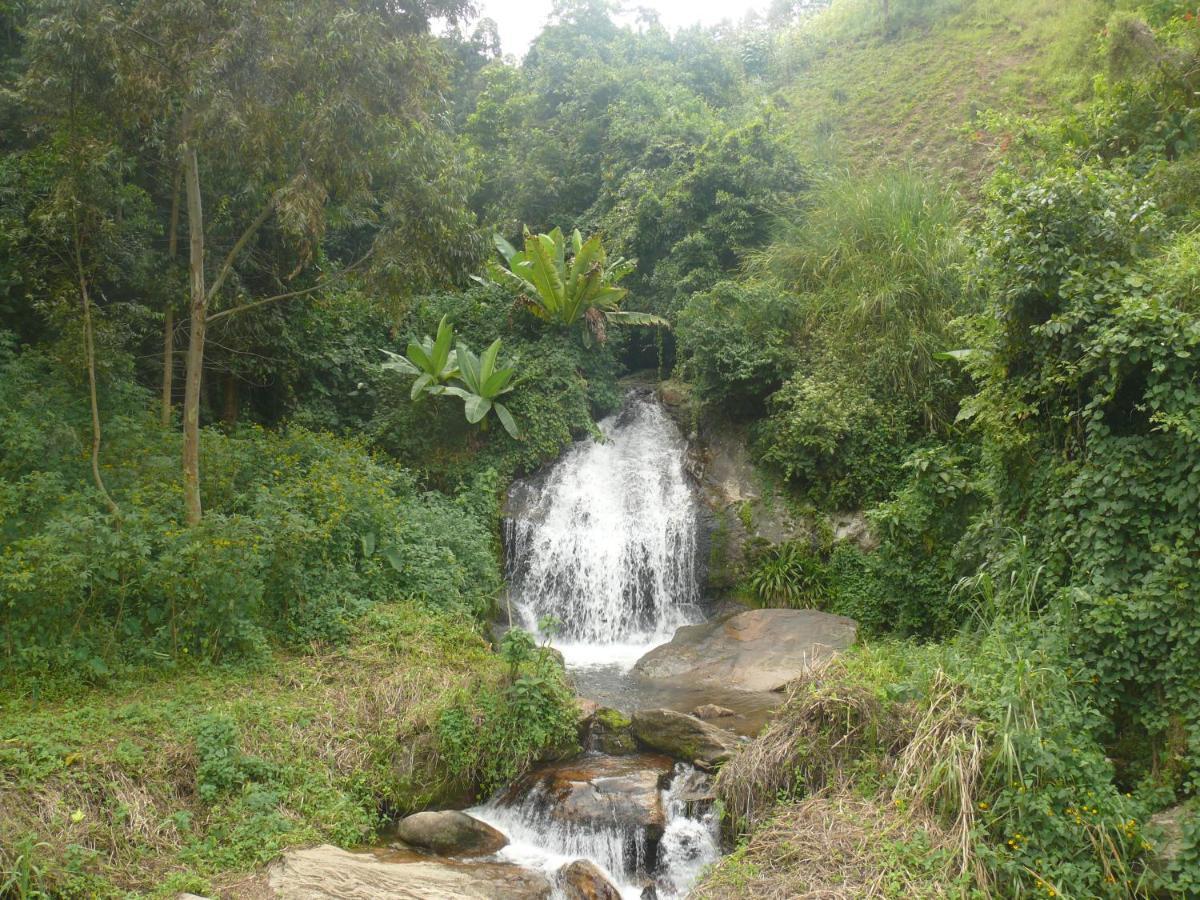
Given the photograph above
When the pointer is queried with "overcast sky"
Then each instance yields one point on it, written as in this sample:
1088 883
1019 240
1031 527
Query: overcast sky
521 20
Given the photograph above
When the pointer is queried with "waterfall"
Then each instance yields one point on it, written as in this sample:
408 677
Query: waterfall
606 541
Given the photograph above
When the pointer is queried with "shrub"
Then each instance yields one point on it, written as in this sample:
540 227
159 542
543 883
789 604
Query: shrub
735 344
832 439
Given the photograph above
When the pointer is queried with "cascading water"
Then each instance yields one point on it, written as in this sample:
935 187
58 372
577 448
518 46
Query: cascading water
606 544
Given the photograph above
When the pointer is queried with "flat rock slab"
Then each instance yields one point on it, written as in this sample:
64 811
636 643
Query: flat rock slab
758 650
329 873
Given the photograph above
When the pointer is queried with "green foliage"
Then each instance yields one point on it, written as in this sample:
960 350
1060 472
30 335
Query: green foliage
305 532
833 439
874 263
480 380
432 361
581 290
789 575
735 344
483 383
497 734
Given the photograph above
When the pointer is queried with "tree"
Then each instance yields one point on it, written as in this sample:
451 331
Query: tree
286 118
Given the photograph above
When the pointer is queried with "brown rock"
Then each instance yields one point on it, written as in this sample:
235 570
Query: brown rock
757 650
712 711
583 880
684 737
450 833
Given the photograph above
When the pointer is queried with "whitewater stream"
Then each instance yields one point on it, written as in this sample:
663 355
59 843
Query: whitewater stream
606 542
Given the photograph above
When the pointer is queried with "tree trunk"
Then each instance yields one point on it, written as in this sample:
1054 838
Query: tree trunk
89 351
168 374
195 350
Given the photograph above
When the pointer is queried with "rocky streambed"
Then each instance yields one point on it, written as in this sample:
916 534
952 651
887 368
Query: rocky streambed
611 542
631 817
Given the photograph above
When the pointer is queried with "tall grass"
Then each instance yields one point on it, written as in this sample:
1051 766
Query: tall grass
876 263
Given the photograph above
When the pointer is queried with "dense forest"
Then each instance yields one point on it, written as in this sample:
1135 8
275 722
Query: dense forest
292 290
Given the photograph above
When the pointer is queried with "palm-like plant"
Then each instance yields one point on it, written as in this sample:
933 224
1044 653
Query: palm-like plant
568 292
431 360
482 383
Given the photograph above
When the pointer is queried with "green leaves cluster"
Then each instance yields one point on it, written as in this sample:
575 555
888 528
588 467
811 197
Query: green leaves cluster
581 289
481 380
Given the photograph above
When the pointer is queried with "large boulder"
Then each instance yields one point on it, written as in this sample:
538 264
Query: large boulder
583 880
684 737
1166 831
757 650
450 833
328 873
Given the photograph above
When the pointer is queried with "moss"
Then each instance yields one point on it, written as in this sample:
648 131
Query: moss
612 719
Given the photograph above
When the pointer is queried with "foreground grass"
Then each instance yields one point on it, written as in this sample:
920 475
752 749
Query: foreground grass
189 782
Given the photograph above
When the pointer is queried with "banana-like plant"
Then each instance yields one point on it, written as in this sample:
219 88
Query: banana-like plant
431 360
568 292
482 383
478 380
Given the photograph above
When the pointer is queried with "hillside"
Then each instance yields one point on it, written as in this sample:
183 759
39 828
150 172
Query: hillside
858 93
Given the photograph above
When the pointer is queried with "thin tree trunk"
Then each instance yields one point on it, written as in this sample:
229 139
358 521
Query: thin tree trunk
168 375
89 349
195 350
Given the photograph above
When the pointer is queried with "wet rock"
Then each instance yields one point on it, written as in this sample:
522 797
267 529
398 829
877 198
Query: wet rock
684 737
329 873
649 892
583 880
712 711
618 794
757 650
611 732
450 833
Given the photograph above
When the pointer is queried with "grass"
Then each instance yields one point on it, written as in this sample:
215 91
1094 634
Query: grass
100 793
837 846
862 96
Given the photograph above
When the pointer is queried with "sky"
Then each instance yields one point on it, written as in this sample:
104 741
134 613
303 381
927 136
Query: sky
521 20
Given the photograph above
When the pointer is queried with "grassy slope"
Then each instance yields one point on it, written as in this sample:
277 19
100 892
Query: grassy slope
857 98
106 783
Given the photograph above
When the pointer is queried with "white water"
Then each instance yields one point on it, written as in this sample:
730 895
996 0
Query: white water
536 841
607 544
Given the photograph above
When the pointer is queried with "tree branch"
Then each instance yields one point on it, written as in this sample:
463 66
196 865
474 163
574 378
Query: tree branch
239 245
323 283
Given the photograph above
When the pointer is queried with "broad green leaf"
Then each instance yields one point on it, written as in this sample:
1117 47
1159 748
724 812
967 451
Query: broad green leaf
476 408
419 385
398 363
545 274
507 250
506 419
441 347
487 364
621 317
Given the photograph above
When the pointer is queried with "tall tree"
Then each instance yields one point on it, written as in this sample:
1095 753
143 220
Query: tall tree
286 117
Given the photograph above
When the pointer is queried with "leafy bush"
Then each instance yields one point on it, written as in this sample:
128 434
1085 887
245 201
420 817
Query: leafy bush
789 575
304 531
833 439
735 345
